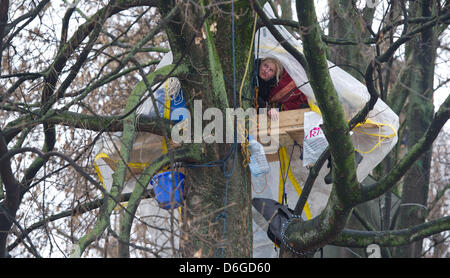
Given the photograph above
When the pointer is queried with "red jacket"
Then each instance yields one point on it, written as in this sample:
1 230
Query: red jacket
291 97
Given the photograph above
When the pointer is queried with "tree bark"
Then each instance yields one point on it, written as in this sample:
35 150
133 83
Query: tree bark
347 24
217 211
420 111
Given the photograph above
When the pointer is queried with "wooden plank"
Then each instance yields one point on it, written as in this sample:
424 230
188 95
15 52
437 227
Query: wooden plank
131 171
145 150
292 118
297 134
291 123
290 128
271 157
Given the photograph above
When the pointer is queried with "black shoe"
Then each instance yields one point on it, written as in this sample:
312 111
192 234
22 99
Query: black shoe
275 214
358 158
328 178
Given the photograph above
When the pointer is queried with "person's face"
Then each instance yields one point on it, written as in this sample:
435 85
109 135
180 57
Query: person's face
267 70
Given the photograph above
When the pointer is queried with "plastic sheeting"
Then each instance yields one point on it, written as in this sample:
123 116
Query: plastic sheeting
162 225
269 187
372 141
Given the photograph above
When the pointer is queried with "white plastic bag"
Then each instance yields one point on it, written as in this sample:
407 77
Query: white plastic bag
168 97
314 142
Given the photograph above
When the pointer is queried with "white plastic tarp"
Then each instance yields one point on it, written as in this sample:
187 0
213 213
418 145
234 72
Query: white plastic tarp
162 225
373 143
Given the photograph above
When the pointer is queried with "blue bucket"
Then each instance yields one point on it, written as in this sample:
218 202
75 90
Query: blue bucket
166 194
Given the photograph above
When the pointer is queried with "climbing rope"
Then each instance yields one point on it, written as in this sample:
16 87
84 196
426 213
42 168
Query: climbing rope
234 146
244 145
281 191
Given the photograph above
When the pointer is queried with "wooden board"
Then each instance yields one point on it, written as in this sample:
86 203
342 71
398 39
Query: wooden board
290 128
291 123
296 134
145 150
292 118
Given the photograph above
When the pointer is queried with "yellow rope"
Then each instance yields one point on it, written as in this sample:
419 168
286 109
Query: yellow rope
284 162
166 113
100 176
381 137
248 61
244 146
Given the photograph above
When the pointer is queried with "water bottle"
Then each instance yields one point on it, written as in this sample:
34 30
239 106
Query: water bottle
258 161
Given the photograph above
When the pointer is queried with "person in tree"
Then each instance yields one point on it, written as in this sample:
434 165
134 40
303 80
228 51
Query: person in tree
276 89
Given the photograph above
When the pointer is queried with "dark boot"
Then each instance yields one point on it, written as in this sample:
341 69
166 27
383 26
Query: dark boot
329 178
358 158
275 214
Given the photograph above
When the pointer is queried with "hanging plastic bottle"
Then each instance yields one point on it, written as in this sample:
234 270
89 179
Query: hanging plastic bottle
258 161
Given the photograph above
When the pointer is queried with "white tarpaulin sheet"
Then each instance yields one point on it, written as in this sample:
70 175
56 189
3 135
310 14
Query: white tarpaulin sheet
162 225
373 141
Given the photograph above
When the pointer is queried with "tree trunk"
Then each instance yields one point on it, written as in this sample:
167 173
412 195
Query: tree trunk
217 214
346 23
419 115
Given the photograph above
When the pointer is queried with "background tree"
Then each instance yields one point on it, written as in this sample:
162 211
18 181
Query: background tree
403 93
85 71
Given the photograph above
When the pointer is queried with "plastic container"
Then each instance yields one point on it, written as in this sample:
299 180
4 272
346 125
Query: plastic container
168 195
176 101
258 161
